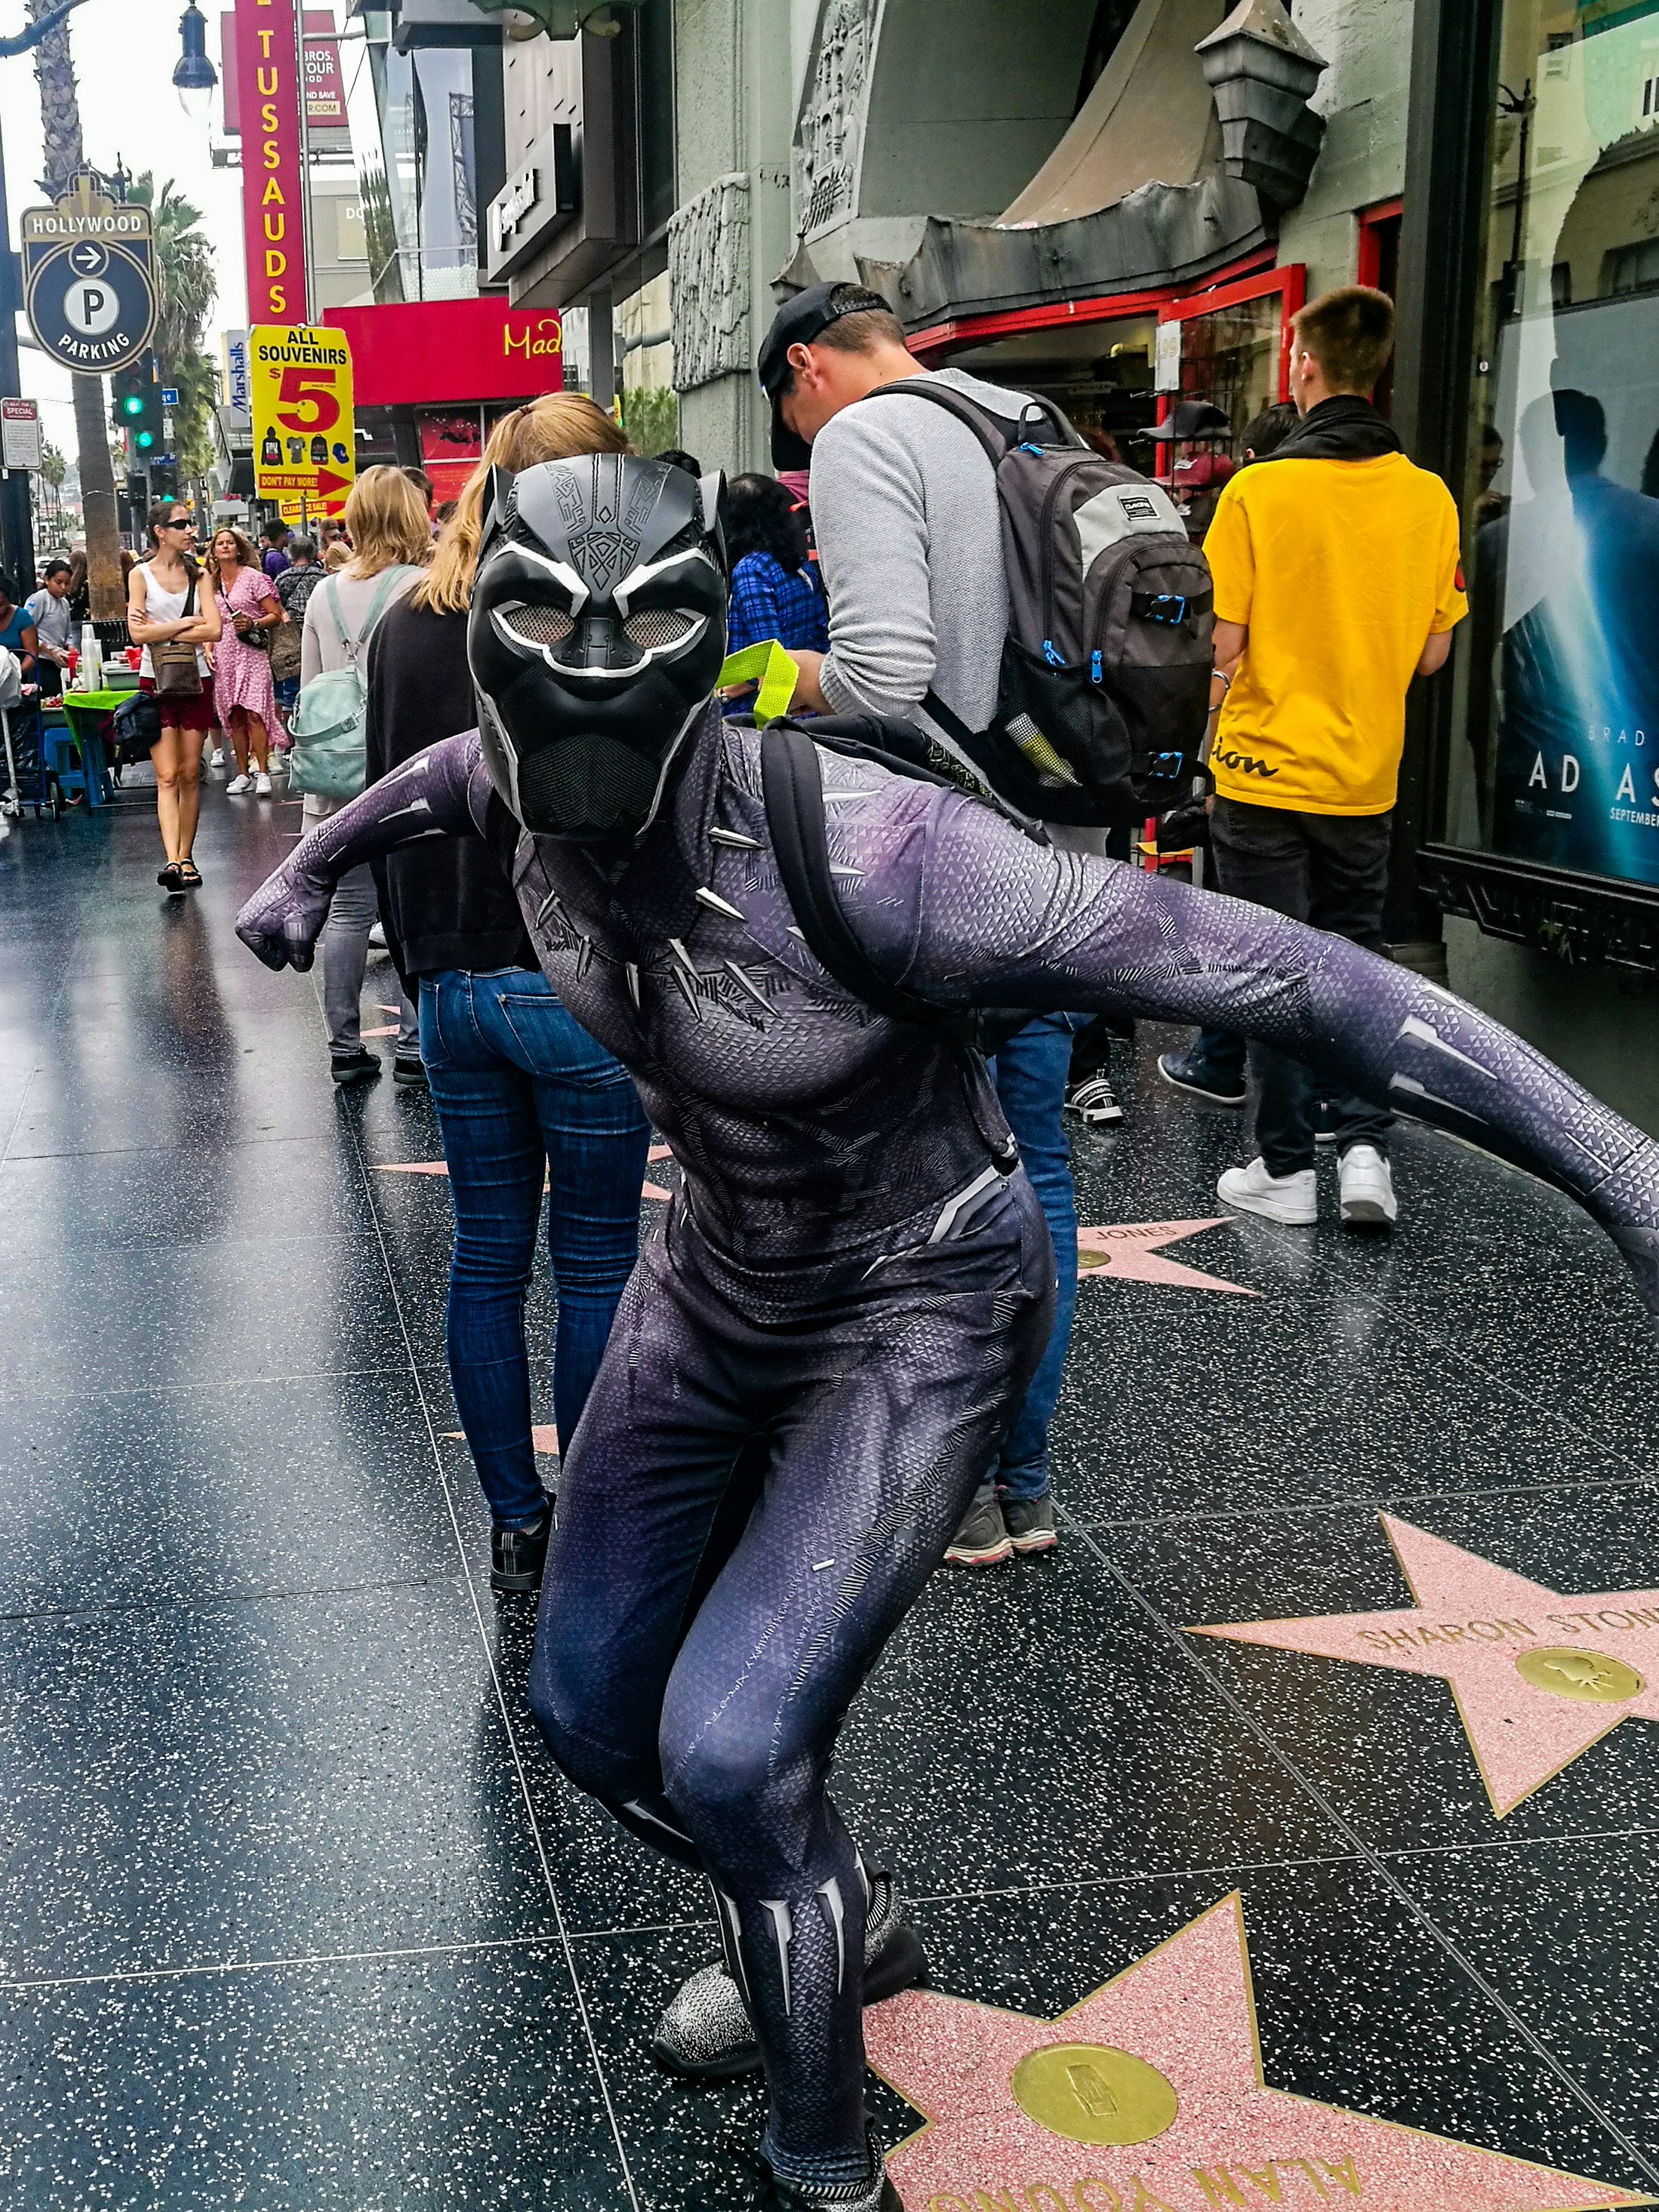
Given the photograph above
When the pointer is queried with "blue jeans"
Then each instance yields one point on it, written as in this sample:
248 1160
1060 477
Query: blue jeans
1030 1070
523 1093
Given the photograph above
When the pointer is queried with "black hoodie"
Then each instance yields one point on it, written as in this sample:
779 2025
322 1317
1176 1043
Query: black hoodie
445 901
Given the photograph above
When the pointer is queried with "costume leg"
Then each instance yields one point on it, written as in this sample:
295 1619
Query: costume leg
652 1493
905 1391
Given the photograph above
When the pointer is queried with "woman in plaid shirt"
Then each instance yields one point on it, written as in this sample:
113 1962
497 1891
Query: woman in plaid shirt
775 589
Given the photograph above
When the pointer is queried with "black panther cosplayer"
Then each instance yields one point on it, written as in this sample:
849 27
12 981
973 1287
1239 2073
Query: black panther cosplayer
816 1356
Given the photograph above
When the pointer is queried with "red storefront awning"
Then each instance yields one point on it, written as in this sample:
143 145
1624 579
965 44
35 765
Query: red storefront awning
443 353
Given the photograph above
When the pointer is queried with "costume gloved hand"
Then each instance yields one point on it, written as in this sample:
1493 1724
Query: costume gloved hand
282 922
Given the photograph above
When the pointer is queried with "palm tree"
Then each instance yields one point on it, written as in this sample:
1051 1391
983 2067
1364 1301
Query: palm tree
60 119
188 288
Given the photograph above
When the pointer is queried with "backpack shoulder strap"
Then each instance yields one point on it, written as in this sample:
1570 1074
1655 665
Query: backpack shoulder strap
333 594
389 583
995 433
792 785
992 432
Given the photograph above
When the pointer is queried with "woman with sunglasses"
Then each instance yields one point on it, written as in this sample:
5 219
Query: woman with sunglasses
158 590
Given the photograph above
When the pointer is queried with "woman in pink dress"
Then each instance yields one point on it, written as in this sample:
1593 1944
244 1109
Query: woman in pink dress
243 690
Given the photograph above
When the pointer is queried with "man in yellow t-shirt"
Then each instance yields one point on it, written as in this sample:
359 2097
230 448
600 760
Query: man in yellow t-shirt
1337 580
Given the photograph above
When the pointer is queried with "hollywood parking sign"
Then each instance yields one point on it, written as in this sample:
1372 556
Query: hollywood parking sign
89 278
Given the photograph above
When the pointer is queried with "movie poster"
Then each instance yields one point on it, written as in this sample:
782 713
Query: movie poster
1566 574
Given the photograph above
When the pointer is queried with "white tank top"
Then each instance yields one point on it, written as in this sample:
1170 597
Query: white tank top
161 606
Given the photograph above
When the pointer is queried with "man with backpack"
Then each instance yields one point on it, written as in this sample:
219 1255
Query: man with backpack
1337 580
907 507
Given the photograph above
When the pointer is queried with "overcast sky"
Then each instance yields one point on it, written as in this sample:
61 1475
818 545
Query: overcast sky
125 53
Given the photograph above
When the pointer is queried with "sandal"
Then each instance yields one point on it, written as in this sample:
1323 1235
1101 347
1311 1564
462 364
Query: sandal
169 878
189 874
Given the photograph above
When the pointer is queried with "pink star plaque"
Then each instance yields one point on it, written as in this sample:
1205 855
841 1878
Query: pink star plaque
1129 1252
1538 1677
1149 2097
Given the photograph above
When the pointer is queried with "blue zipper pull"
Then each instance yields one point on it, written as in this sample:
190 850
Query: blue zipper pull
1095 665
1026 446
1050 653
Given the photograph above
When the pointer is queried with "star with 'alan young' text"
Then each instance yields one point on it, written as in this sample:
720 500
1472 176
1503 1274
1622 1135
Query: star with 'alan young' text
1538 1677
1150 2096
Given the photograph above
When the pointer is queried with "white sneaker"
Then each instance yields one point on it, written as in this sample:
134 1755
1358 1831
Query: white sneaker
215 759
1366 1185
262 785
240 783
1292 1199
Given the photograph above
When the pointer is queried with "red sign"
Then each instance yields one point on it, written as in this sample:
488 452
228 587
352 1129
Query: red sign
325 107
273 213
435 353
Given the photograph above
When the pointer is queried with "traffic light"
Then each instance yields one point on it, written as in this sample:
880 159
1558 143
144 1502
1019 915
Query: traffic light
137 408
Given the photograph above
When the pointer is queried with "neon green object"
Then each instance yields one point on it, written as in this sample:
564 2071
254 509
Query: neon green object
776 672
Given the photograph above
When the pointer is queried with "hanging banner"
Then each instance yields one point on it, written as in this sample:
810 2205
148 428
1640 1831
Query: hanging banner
273 175
305 439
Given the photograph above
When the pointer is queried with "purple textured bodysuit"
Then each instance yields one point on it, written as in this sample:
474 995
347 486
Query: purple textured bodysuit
816 1355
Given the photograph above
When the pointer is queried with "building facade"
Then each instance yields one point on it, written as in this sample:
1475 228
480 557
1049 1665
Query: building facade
1122 202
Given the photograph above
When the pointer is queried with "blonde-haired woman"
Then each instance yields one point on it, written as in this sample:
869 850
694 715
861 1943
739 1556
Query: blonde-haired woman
391 539
244 695
523 1095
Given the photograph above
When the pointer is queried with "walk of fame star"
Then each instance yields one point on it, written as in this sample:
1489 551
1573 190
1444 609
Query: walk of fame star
1129 1250
1538 1676
1149 2097
442 1167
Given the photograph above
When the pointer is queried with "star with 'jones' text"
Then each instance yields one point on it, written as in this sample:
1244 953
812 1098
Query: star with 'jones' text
1132 1252
1538 1677
1149 2097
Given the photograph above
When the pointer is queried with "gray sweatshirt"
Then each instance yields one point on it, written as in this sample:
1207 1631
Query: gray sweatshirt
905 508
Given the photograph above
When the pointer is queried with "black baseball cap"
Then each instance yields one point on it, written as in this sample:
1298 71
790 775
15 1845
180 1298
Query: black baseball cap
797 322
1192 418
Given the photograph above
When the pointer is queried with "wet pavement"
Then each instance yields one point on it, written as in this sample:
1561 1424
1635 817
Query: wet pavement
294 1912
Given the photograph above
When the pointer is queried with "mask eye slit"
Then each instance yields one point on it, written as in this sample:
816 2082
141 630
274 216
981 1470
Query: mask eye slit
655 627
535 624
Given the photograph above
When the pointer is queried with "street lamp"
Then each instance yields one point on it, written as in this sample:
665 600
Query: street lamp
195 78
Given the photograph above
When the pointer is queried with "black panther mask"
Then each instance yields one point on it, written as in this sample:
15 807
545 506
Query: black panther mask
597 632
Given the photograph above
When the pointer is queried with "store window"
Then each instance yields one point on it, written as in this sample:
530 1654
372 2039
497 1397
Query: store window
1556 753
1100 372
1227 350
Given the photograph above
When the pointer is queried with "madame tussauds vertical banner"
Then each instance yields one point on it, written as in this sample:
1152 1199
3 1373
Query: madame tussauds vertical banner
273 177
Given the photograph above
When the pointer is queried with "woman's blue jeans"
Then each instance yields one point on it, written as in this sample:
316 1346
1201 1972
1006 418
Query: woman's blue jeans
525 1095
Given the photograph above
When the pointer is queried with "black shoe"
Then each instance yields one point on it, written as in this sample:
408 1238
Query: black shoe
1186 1071
359 1066
517 1556
170 879
1095 1099
407 1067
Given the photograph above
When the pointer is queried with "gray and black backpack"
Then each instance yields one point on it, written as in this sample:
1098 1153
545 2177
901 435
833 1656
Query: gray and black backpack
1105 679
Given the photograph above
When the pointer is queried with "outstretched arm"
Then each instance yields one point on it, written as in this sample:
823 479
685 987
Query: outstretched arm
440 792
997 920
